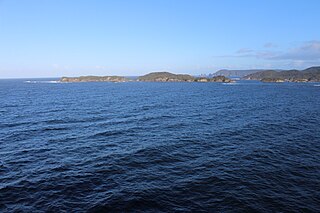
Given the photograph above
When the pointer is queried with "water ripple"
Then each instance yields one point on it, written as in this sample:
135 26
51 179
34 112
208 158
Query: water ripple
144 147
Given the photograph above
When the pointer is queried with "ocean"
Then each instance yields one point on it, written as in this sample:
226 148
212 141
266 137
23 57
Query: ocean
159 147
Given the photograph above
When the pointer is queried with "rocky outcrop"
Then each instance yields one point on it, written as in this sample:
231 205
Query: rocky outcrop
221 79
201 79
275 80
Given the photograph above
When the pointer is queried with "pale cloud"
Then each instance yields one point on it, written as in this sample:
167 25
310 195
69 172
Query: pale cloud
308 51
244 51
248 53
301 56
270 45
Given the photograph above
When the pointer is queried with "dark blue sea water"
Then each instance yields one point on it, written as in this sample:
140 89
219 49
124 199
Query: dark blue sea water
159 147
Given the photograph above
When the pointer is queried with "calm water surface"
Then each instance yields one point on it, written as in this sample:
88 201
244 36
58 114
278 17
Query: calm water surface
159 147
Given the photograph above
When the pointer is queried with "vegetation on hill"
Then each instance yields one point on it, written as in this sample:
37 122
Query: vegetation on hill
311 74
167 77
152 77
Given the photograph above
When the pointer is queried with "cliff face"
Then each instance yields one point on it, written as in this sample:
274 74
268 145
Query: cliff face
311 74
94 79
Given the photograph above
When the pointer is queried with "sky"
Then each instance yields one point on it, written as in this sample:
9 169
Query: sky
53 38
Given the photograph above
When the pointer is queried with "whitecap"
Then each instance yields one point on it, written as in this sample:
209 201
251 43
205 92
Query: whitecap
234 83
42 82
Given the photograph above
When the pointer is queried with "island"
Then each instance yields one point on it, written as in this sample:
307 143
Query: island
311 74
166 76
151 77
219 78
170 77
94 79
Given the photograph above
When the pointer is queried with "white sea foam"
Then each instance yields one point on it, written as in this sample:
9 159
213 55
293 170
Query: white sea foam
234 83
42 82
317 85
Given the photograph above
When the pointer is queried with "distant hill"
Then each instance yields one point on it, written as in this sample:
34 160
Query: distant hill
311 74
235 73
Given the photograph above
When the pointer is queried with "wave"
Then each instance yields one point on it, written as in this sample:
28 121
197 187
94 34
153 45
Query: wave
159 148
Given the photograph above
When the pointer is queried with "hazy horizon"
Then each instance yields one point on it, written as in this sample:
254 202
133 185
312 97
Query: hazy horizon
110 74
41 39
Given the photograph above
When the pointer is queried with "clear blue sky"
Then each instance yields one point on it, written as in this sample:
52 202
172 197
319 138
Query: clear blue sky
52 38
